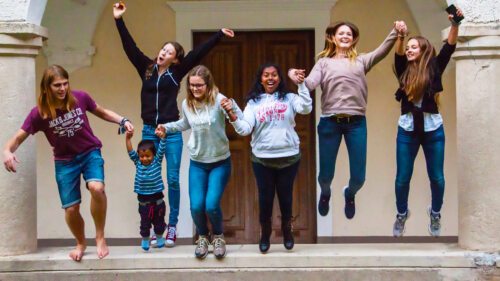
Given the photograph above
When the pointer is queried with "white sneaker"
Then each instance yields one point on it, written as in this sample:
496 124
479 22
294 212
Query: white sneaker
171 236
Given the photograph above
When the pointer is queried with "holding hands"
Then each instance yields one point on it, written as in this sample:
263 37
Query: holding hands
401 28
160 131
297 75
227 105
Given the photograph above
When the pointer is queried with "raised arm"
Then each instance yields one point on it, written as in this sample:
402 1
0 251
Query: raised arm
9 158
374 57
196 55
134 54
302 103
453 33
128 141
447 50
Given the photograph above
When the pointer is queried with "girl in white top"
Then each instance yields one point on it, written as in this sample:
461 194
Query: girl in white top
210 165
270 117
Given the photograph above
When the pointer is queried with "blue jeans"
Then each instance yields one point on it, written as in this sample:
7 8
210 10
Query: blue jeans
173 156
330 135
68 172
406 151
271 181
207 182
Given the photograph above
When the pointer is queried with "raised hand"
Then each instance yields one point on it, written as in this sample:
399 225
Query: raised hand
119 9
129 134
401 28
459 13
228 32
296 75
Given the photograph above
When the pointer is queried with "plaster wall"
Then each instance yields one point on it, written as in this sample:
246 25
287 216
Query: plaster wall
114 83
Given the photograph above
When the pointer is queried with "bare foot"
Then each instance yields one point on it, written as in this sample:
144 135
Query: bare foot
77 253
102 248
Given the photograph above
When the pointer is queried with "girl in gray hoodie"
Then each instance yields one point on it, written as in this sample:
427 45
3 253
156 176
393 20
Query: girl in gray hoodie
210 165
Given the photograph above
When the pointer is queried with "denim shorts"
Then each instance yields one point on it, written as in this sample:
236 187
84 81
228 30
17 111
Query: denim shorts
89 164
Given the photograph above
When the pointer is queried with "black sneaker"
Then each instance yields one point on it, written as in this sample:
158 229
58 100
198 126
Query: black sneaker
350 207
324 204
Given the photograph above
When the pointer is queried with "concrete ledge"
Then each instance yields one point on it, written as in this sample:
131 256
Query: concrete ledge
306 262
248 256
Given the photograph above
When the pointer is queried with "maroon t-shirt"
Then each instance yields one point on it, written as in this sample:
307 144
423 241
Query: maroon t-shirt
69 133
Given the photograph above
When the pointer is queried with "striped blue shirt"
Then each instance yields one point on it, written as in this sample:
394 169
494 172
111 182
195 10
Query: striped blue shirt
148 178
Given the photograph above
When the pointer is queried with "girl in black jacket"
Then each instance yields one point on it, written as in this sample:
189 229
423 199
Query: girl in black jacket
419 72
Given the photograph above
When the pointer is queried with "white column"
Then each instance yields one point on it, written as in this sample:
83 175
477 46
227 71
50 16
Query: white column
478 125
19 44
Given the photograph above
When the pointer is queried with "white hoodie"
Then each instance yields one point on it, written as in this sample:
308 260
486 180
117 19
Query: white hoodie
208 142
271 122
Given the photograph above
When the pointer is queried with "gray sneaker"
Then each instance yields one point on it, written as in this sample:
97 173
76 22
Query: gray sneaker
219 246
201 250
399 225
435 223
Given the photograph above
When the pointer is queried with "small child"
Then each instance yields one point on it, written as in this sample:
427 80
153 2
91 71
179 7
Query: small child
148 185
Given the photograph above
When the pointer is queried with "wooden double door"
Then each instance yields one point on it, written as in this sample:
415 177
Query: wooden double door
234 63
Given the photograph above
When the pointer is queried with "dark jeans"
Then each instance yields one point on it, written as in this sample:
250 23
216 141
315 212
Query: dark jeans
173 155
271 181
207 182
152 214
406 151
330 135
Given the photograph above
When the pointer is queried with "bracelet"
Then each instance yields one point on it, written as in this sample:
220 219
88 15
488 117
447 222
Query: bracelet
121 128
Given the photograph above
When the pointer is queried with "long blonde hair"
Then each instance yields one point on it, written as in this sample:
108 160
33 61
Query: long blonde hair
330 49
417 75
46 101
212 90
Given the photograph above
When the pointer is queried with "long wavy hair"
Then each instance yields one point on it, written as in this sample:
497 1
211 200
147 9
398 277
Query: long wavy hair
211 90
418 73
257 87
47 100
179 55
330 49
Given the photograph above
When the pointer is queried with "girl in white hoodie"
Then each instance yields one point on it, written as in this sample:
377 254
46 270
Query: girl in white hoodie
210 165
270 117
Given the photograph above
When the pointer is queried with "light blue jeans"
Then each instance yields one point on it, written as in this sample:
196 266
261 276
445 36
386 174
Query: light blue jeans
330 135
173 156
207 182
406 151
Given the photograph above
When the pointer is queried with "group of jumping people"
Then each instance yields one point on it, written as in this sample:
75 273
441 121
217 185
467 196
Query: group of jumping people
269 116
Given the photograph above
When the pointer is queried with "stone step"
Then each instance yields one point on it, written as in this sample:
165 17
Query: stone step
307 261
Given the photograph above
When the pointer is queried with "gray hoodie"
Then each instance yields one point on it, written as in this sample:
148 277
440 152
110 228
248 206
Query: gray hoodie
208 142
271 122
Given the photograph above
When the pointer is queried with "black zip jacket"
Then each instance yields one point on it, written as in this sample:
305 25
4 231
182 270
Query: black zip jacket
437 65
159 94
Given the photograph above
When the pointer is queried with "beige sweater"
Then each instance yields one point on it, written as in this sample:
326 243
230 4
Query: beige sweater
343 82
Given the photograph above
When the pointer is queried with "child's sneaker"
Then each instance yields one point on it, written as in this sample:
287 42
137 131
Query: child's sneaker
152 240
219 246
435 222
201 250
171 236
160 241
145 244
399 225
